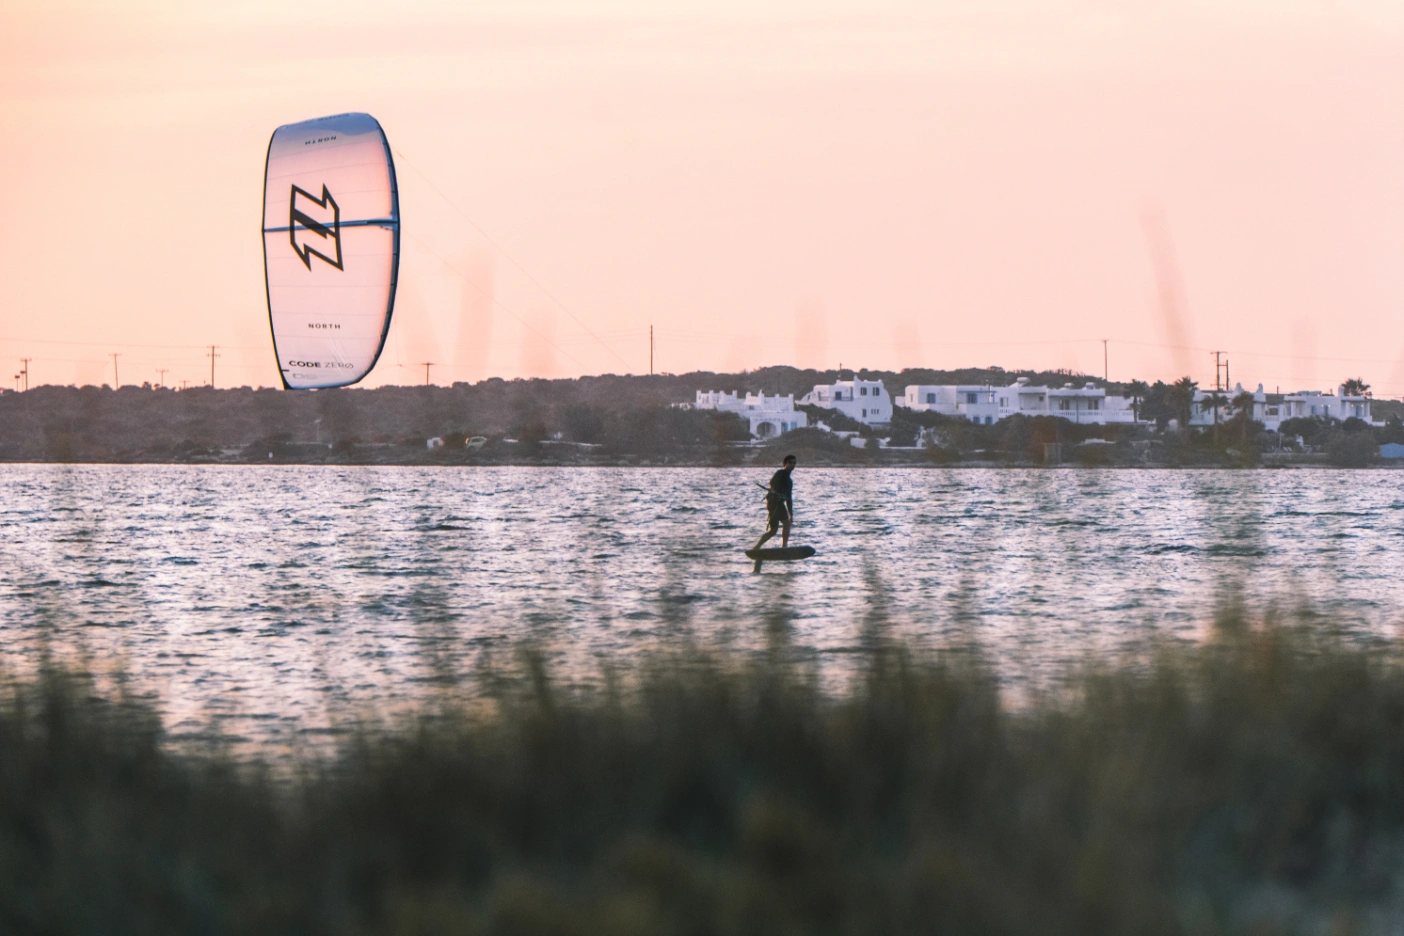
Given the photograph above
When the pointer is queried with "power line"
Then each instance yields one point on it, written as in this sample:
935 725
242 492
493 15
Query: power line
696 335
56 360
125 344
1266 354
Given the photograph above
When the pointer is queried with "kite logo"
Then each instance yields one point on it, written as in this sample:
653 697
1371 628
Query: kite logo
309 215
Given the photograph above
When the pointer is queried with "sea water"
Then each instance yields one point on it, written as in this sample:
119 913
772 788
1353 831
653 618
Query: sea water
277 605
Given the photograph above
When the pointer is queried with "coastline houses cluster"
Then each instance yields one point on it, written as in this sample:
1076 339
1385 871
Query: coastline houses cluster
870 403
1273 409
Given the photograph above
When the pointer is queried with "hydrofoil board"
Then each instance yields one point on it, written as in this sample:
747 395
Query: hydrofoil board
777 554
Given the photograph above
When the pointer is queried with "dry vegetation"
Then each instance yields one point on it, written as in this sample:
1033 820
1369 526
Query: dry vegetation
1251 784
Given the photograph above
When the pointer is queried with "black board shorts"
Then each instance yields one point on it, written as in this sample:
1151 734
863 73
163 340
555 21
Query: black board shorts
778 512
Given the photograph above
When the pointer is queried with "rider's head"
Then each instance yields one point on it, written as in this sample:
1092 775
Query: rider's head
789 461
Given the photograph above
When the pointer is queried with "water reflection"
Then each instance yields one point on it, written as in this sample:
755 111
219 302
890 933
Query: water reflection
277 602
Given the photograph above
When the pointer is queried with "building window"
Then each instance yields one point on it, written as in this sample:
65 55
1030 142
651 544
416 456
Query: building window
931 398
865 414
1093 403
1064 404
1004 401
862 391
970 398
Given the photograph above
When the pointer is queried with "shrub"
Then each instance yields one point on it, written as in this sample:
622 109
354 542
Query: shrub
1244 784
1351 449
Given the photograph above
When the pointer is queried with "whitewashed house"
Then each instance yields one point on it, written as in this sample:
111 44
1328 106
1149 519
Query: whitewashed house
968 401
864 400
769 416
988 405
1085 404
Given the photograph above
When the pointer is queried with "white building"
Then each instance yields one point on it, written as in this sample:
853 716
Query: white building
864 400
968 401
769 416
988 405
1085 404
1272 409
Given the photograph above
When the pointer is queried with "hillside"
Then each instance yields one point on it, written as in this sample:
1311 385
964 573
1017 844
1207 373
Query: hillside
591 418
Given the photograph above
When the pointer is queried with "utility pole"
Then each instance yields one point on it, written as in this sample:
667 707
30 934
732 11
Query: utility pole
24 371
1105 369
650 350
427 365
212 355
116 382
1220 366
162 372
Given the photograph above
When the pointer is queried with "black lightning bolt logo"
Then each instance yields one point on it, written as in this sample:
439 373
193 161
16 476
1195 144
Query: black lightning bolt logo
304 224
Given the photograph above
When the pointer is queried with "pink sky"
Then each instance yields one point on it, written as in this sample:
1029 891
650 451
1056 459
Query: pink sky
876 184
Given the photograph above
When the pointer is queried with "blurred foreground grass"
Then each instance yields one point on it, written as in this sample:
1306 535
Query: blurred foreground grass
1250 784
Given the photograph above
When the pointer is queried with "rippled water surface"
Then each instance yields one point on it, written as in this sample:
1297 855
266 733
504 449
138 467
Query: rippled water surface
276 602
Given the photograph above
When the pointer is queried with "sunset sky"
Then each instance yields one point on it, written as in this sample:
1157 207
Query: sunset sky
880 184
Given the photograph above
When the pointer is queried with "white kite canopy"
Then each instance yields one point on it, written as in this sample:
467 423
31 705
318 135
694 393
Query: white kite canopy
331 248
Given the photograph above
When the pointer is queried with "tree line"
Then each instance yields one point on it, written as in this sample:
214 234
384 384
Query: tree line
617 416
620 414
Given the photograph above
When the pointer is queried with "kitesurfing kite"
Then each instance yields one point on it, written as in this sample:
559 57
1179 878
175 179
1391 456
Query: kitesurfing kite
331 248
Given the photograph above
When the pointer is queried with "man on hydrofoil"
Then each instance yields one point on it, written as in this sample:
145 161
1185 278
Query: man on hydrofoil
779 504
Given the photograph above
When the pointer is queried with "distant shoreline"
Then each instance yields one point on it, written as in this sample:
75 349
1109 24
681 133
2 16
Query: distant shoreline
1287 462
610 421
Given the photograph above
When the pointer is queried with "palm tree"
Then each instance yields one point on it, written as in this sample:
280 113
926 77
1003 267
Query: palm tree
1137 390
1355 386
1182 398
1242 419
1215 401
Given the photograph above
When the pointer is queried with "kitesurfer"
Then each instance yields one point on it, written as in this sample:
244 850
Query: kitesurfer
779 504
